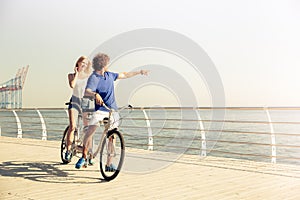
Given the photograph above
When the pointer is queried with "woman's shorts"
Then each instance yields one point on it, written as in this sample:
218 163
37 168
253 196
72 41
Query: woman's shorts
75 103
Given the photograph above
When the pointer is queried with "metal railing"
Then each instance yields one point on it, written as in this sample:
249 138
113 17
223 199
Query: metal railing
250 133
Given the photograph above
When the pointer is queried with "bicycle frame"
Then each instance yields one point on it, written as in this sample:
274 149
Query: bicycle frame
79 118
106 121
107 125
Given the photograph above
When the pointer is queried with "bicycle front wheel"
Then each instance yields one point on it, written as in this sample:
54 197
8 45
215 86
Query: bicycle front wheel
112 154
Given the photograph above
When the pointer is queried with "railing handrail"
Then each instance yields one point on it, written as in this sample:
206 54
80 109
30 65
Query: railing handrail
148 127
174 108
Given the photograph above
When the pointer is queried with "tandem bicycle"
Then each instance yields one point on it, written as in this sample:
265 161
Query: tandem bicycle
111 145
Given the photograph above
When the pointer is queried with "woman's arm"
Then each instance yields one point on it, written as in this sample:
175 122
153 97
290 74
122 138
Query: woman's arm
73 78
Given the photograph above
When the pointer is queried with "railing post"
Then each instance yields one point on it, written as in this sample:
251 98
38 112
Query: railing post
150 136
203 137
44 129
67 112
19 135
273 141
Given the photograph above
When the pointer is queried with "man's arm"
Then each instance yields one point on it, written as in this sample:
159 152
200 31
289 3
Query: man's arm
89 92
95 95
124 75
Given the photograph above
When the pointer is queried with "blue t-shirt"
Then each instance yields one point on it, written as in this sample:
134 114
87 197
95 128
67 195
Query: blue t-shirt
103 85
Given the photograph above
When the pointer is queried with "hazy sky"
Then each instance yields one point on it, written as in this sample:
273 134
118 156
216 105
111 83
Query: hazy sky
254 44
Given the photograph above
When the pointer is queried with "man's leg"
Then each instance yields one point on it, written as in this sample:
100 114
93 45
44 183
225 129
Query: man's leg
111 151
87 141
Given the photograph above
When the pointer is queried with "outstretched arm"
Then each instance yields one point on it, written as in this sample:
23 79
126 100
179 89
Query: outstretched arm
124 75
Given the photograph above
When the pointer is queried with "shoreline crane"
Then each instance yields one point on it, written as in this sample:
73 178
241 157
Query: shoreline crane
11 91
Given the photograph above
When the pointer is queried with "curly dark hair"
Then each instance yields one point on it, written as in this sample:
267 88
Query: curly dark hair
100 60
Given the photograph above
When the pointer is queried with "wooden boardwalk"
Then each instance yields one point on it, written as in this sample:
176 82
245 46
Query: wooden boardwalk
31 169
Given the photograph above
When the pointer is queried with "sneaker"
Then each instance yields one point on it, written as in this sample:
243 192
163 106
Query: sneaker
90 158
81 163
68 156
91 161
110 168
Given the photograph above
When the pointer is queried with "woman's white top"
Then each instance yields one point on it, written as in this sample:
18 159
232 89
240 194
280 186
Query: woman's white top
79 88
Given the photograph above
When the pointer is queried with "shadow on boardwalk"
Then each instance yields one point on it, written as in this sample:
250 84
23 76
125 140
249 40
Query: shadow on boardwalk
45 172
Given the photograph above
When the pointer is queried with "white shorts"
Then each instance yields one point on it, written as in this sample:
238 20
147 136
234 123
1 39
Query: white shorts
98 116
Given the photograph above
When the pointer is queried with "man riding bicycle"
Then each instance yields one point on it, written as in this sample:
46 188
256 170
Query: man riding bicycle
100 85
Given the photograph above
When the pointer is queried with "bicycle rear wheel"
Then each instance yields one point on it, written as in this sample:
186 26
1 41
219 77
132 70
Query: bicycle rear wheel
112 154
63 147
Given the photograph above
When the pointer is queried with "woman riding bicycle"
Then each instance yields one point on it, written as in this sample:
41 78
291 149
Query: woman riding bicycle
77 81
100 85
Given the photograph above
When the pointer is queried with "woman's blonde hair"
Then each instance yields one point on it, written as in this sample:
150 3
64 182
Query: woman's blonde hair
88 69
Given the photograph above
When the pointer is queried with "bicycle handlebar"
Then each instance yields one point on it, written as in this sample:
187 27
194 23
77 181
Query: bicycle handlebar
104 105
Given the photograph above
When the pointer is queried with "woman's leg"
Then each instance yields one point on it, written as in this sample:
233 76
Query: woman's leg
72 127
